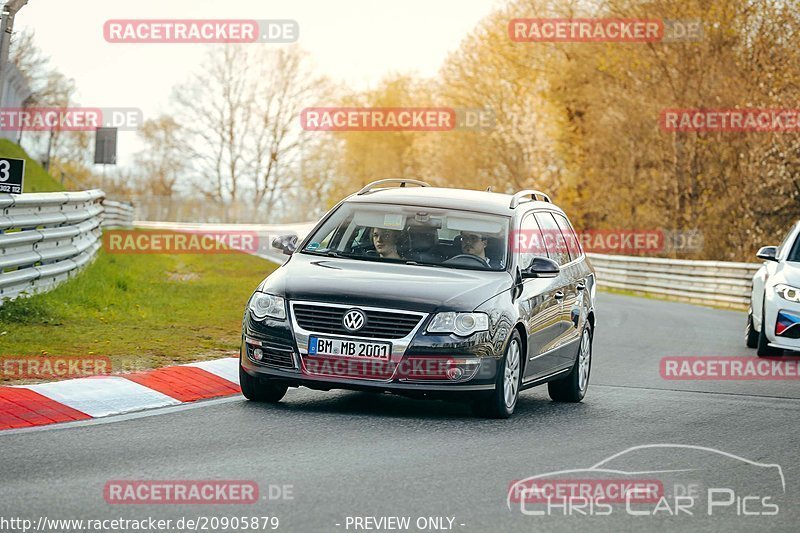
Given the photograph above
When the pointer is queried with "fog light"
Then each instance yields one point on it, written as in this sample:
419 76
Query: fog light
454 373
258 353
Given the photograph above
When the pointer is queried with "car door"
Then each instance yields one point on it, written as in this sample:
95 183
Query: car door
573 300
565 287
539 304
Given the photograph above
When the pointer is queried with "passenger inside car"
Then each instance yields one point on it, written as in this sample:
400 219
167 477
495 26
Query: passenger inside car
387 243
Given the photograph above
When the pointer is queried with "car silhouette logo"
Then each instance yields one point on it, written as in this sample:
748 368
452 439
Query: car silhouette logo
354 320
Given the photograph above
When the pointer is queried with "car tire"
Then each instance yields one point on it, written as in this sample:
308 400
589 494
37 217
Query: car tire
750 333
572 388
260 390
764 349
502 401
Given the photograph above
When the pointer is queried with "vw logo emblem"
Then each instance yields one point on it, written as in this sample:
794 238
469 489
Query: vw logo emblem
354 320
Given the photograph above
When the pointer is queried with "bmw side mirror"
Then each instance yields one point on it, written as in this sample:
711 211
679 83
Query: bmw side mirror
768 253
286 243
541 267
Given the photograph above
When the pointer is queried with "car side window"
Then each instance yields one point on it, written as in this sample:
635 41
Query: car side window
573 247
529 241
794 252
553 239
785 245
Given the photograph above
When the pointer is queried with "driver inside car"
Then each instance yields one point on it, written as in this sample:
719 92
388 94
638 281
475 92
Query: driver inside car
476 244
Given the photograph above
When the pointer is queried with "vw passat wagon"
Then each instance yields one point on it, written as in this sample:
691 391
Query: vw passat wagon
427 292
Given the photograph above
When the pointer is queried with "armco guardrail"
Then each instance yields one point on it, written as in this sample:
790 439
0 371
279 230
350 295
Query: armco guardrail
46 237
117 214
719 283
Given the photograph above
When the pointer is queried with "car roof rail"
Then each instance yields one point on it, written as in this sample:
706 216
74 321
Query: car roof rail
380 184
517 198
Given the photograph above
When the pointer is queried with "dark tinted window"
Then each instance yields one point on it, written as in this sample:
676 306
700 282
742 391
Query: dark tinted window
529 241
573 247
794 252
553 239
786 245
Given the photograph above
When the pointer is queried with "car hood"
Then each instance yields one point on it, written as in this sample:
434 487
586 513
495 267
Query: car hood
370 283
788 273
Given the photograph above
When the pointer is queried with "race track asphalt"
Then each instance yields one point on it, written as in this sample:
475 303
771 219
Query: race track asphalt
349 454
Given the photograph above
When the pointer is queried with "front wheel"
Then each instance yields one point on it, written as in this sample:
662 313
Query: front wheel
503 400
750 333
258 390
572 387
764 349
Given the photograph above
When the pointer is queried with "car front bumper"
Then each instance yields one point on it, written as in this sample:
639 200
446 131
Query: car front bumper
782 322
424 363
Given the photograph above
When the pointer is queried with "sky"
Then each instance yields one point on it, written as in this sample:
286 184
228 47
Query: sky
355 42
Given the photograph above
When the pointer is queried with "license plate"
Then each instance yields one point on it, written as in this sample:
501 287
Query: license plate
364 350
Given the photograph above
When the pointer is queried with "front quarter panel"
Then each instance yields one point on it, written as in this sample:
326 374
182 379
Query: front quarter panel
503 317
757 295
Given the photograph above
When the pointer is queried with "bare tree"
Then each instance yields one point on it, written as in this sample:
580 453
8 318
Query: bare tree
281 95
162 161
240 123
214 111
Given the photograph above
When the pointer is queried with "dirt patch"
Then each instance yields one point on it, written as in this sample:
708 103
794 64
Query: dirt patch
182 276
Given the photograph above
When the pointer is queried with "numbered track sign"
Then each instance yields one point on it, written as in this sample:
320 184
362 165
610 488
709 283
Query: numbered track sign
12 172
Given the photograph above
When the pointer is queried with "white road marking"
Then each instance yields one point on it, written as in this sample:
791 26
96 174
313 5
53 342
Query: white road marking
227 368
104 396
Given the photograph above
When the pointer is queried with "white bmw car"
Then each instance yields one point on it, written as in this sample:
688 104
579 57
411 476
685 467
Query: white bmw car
773 320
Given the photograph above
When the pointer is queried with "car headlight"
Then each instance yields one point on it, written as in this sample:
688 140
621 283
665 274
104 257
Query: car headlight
788 292
462 324
264 305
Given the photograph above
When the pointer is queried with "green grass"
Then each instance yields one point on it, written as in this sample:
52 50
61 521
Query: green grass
36 178
142 311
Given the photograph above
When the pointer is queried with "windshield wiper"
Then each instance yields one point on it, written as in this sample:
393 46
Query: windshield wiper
420 263
334 253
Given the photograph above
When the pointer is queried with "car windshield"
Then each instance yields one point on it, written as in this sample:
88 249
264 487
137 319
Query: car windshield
414 235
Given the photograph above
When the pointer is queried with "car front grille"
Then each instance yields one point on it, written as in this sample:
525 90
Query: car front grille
277 352
379 324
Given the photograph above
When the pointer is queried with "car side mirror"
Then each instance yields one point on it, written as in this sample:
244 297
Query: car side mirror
285 243
768 253
541 267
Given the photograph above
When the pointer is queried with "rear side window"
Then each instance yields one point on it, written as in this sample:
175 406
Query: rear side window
529 241
573 247
554 241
